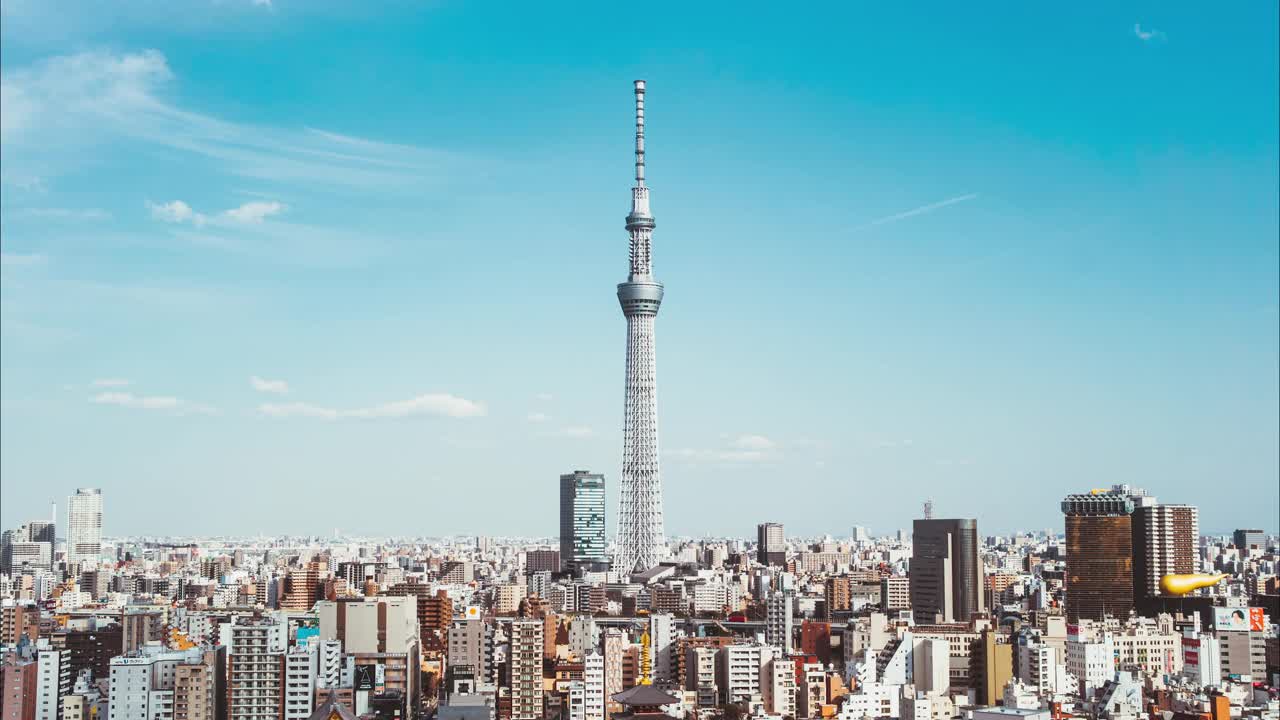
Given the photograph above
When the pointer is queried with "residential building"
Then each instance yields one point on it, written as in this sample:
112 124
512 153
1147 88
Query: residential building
84 527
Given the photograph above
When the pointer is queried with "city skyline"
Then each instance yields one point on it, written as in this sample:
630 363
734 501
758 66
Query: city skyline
909 269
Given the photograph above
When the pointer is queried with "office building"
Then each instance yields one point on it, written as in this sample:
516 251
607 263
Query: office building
143 684
84 527
1250 542
1099 563
582 522
641 542
771 544
946 571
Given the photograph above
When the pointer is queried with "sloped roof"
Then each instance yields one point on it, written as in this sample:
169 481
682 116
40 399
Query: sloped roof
331 709
645 695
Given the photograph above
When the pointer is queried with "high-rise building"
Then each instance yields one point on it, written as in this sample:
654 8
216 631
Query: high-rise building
1099 544
778 622
53 682
1166 540
771 544
526 669
946 571
198 688
895 593
301 672
143 684
593 686
582 524
84 527
17 687
1250 541
641 538
256 664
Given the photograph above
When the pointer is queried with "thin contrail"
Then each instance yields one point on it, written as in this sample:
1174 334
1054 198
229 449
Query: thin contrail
917 211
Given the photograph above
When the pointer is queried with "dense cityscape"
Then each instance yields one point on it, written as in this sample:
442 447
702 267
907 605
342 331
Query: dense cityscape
1125 611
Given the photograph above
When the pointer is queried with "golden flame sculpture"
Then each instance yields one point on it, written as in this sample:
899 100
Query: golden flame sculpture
1184 583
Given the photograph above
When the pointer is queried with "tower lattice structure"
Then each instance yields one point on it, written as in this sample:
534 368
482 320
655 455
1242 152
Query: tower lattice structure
641 540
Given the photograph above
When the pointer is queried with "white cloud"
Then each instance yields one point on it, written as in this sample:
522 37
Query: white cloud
254 212
250 213
754 442
1147 35
278 387
151 402
430 404
577 431
545 397
537 417
111 382
177 212
262 3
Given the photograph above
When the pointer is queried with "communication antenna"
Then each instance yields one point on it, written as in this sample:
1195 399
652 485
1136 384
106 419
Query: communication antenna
928 509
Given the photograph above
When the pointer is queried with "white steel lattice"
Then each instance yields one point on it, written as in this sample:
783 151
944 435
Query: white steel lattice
641 541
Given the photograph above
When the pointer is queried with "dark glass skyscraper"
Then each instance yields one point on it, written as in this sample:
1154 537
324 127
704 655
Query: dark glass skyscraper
582 531
946 571
1099 576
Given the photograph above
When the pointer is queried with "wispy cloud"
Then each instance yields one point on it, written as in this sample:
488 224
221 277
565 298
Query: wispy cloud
922 210
576 431
152 402
52 110
276 387
111 382
1148 35
442 404
250 213
537 417
544 397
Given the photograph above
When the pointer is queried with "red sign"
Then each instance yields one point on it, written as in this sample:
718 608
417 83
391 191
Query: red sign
1257 620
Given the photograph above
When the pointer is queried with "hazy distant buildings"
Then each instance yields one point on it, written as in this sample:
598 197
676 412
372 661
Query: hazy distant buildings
946 571
771 544
84 527
582 522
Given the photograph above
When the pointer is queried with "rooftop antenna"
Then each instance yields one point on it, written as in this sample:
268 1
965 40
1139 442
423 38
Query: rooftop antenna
928 509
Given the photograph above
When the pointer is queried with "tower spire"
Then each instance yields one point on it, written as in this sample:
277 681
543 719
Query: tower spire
639 133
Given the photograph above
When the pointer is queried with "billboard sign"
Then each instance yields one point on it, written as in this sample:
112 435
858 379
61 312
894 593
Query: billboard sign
1231 619
1257 619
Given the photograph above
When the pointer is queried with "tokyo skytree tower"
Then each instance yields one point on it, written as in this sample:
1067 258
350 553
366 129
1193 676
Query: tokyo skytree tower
641 540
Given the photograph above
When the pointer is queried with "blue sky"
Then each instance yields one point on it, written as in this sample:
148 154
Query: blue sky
290 266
